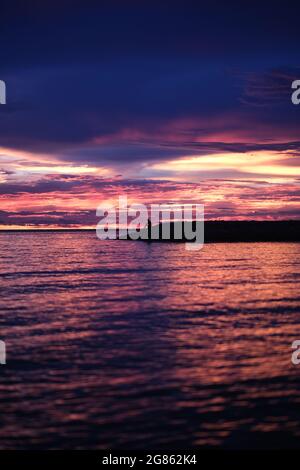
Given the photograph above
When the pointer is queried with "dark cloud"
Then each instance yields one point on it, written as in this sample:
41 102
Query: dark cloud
270 88
72 31
67 219
79 184
83 70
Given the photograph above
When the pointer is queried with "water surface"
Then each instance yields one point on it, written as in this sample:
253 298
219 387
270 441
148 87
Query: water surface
132 345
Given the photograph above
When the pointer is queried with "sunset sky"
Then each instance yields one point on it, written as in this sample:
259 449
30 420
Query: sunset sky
160 101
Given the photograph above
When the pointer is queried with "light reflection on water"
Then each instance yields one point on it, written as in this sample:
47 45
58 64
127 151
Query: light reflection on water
125 344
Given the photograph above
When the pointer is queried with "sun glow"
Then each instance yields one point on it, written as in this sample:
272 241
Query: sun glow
262 163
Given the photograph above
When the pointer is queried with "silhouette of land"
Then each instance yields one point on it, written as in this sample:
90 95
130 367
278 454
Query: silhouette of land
214 231
229 231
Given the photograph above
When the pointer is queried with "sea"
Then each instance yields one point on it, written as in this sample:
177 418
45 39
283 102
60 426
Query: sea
133 345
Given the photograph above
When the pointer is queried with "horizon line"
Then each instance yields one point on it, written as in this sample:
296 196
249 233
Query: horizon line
84 229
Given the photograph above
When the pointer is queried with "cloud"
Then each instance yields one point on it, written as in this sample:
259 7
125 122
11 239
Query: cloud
71 201
271 88
159 102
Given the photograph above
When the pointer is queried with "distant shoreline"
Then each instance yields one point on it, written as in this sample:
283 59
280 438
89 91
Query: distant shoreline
216 231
